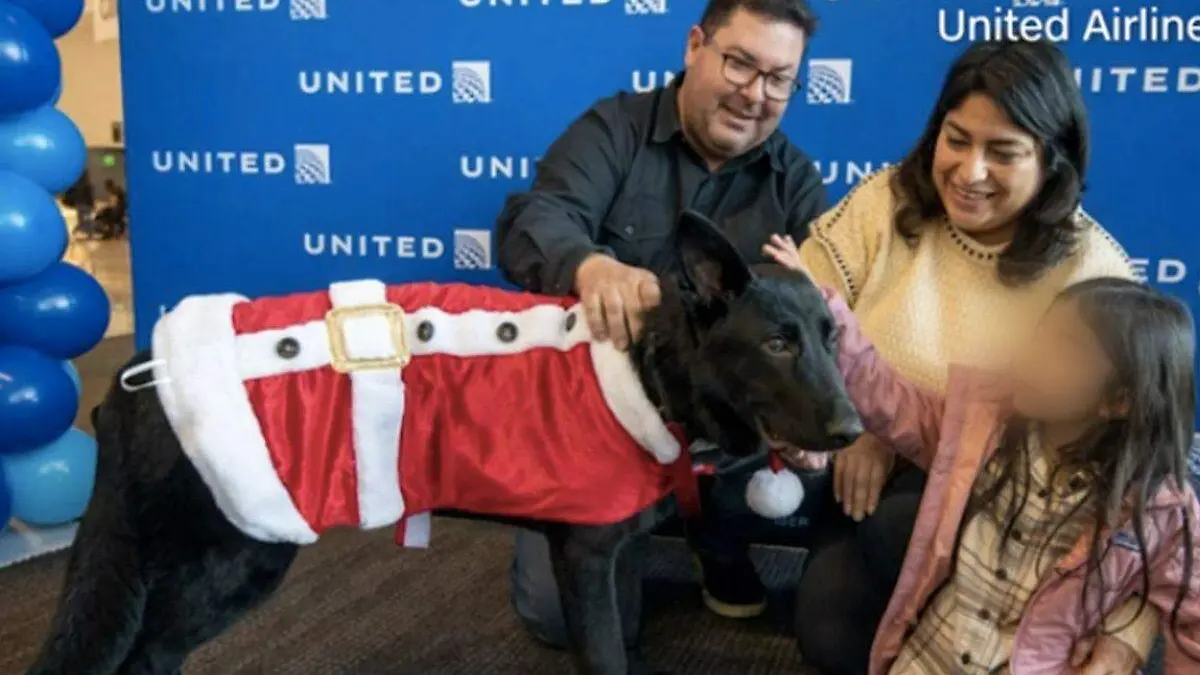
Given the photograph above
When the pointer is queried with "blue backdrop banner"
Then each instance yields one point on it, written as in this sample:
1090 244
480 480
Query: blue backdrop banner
278 145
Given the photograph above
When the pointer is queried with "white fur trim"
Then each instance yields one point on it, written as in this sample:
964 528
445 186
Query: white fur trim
207 402
474 333
209 410
773 494
471 333
377 405
256 356
627 399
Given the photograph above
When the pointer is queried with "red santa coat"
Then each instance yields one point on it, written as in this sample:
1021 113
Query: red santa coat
475 399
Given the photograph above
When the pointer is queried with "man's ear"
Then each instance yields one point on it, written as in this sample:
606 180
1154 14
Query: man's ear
695 42
711 263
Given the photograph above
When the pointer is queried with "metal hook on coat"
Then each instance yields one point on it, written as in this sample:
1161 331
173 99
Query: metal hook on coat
134 371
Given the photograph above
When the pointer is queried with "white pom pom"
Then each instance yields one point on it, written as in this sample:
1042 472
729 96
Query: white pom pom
774 494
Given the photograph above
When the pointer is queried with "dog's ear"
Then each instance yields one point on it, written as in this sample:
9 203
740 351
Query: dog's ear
711 263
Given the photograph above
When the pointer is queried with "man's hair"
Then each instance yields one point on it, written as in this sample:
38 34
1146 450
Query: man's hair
796 12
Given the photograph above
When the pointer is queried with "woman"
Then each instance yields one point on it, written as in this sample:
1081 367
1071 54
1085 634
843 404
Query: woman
951 256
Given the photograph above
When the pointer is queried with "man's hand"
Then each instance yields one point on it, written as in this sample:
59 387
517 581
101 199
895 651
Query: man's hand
1106 655
859 473
615 296
783 250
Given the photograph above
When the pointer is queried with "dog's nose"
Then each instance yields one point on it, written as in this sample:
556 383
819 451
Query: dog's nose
843 431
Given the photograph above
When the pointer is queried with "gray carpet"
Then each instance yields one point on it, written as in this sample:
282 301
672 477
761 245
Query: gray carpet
357 605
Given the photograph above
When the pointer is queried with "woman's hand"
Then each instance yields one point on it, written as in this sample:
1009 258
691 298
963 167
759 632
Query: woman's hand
784 251
859 473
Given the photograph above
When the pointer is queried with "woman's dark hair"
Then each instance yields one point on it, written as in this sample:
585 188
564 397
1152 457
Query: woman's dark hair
1032 82
1150 340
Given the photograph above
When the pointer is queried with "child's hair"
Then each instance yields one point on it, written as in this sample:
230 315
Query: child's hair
1150 339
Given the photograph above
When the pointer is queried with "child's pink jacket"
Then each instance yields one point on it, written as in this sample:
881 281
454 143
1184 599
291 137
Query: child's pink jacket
950 438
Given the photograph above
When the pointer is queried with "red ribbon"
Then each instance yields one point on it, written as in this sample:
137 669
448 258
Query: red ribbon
775 462
683 475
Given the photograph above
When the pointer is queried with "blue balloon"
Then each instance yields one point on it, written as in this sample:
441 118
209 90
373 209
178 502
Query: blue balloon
58 17
5 502
62 312
57 94
74 373
30 69
37 399
45 146
33 234
52 485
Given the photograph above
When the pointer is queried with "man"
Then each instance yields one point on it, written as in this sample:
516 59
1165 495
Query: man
600 217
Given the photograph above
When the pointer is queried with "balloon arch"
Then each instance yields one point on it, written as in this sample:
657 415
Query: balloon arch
50 311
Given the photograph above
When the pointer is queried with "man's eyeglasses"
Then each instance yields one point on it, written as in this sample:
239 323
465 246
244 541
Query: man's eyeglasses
740 73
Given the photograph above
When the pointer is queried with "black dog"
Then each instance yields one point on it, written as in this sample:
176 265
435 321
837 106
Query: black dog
735 355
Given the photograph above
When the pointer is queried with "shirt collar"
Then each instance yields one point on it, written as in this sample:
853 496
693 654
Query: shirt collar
1066 484
667 127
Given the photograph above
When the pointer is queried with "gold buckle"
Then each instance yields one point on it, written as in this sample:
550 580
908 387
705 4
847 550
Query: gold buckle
335 323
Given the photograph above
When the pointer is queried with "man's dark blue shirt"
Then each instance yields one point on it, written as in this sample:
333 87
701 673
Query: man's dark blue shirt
617 179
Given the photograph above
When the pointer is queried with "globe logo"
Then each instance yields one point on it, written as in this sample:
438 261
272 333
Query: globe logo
307 10
641 7
828 81
472 250
312 164
471 82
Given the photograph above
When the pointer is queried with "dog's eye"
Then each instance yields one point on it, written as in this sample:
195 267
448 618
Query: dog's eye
776 345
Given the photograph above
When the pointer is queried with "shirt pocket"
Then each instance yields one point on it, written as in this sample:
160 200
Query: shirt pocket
639 228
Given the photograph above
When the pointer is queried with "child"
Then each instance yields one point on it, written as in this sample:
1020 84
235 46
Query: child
1056 491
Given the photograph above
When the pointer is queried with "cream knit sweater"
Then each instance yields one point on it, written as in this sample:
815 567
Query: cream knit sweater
940 301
